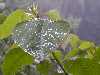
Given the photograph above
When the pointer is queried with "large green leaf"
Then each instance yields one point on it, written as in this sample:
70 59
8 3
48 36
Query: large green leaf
83 66
15 60
10 23
44 67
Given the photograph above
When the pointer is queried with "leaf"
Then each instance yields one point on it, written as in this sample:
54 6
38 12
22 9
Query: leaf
10 23
74 40
58 54
44 67
97 55
71 53
54 15
83 66
15 60
91 52
85 45
88 47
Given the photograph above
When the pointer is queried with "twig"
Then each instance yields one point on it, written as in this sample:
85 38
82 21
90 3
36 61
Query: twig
58 62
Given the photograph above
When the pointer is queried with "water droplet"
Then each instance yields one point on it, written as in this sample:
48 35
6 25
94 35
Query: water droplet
38 36
59 70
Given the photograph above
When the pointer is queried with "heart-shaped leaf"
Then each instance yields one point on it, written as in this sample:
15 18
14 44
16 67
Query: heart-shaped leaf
38 36
15 60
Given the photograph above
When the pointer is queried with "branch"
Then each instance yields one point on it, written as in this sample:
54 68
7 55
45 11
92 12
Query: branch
58 62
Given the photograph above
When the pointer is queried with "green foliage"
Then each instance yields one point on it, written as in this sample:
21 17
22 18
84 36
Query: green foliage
83 66
15 60
72 53
54 15
91 52
97 55
89 47
74 41
58 54
86 45
10 23
44 67
79 47
87 63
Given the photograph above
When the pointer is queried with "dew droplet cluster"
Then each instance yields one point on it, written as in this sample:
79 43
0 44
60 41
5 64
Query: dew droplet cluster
39 36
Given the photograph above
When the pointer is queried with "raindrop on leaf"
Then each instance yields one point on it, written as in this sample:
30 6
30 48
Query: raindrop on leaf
38 37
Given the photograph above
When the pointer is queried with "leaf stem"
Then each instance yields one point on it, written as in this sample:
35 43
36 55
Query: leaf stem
59 63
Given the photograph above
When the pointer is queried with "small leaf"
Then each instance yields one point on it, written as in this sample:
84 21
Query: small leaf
97 55
44 67
91 52
10 23
58 54
15 60
74 41
71 53
54 15
85 45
